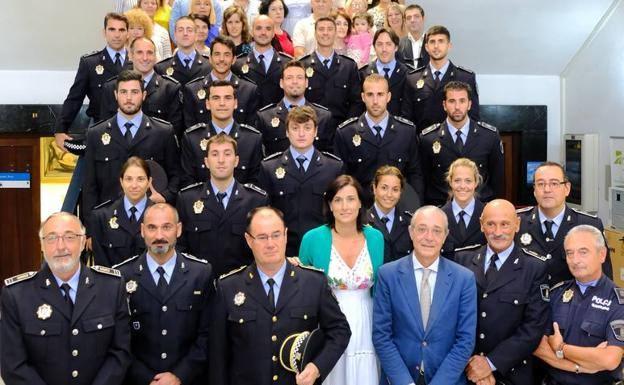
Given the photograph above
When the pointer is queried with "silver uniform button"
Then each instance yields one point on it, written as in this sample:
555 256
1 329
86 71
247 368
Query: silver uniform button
483 314
75 353
75 332
163 356
164 332
424 343
164 308
482 336
42 332
74 373
99 326
515 301
484 295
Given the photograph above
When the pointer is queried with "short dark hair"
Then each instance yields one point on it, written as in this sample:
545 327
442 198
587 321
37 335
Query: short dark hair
138 162
221 83
292 63
263 9
553 164
458 86
128 76
221 138
415 6
388 170
203 18
226 41
301 115
189 18
336 185
393 36
325 18
115 16
438 30
251 214
144 39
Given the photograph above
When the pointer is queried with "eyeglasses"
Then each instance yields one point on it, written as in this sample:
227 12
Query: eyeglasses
422 230
51 239
264 238
553 184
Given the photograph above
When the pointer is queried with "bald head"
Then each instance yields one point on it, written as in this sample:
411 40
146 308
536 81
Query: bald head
262 31
499 223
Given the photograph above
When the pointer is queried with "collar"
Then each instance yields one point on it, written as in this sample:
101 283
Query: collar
584 285
122 52
380 213
468 210
182 56
411 38
228 190
227 129
380 66
152 265
383 123
147 78
278 277
288 103
136 120
502 256
433 266
464 129
72 282
214 78
308 154
442 70
140 206
557 219
321 57
267 54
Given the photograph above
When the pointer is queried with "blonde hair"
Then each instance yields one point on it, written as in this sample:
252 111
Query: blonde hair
397 7
463 162
212 17
137 16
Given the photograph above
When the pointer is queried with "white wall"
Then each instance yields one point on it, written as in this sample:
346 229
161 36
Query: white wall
594 91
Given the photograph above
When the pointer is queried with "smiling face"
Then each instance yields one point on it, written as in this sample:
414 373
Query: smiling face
150 7
202 30
135 183
345 206
428 230
143 56
387 192
463 185
221 58
499 224
325 33
234 25
63 241
263 31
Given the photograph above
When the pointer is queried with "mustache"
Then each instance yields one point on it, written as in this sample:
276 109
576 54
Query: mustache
501 237
160 242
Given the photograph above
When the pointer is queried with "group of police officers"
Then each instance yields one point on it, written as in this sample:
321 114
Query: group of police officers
208 122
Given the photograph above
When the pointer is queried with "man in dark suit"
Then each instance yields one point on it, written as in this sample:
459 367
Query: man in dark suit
221 101
425 310
544 227
259 306
386 42
424 87
459 136
214 212
297 178
222 58
263 65
129 133
168 296
411 47
187 63
66 323
512 298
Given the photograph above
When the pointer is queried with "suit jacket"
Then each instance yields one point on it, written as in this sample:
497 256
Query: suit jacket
406 55
473 236
396 83
513 311
169 334
401 341
397 242
247 334
46 344
557 268
248 68
175 68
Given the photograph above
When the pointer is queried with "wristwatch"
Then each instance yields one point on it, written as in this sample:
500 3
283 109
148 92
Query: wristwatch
559 352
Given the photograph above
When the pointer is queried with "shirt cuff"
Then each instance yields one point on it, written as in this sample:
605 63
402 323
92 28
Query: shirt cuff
491 364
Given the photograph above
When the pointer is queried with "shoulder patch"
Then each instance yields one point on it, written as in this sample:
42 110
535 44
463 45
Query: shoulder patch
165 60
111 79
194 258
330 155
126 261
19 278
159 120
419 69
553 287
250 128
465 69
305 57
195 127
273 156
191 186
430 129
98 123
409 214
312 268
206 55
348 58
255 188
488 126
524 209
534 254
237 270
91 53
103 204
403 120
267 107
286 55
172 79
583 213
471 247
619 293
347 122
106 270
322 107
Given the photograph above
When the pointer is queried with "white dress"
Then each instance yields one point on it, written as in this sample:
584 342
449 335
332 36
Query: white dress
358 365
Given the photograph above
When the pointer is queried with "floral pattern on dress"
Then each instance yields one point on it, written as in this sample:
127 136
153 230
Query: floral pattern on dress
341 277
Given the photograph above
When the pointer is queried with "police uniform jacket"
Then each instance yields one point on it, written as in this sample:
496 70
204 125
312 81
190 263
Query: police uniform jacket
162 100
357 146
588 320
553 249
248 68
114 238
175 68
454 240
483 146
213 233
397 242
248 334
109 150
422 101
338 88
512 311
396 83
45 343
249 148
299 196
93 71
405 54
170 333
196 92
271 121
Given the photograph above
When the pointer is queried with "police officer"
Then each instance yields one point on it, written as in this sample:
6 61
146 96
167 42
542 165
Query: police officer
130 132
221 101
512 300
459 136
162 99
187 63
271 119
377 138
386 42
333 79
260 305
545 226
424 87
222 58
168 294
584 344
214 212
65 323
297 178
263 65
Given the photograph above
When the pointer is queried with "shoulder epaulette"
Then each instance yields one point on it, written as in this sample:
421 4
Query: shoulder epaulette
106 270
488 126
534 254
239 269
255 188
103 204
471 247
322 107
583 213
312 268
330 155
159 120
241 55
250 128
267 107
245 80
98 122
126 261
272 156
165 60
409 214
286 55
171 78
464 69
91 53
304 57
365 65
191 186
205 55
403 120
111 79
194 258
430 129
348 121
558 285
347 57
417 69
524 209
19 278
619 293
195 127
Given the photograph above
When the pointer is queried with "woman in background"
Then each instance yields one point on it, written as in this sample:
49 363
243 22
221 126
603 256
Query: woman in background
203 27
160 36
235 26
395 19
277 11
205 8
139 25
